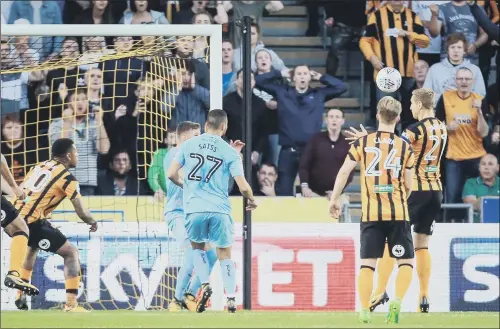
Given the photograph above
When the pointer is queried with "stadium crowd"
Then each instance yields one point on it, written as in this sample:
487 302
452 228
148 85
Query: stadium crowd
98 105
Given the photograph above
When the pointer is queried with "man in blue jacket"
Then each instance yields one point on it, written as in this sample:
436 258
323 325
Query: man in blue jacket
300 115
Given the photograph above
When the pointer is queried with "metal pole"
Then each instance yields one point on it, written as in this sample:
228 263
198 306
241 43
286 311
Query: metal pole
247 133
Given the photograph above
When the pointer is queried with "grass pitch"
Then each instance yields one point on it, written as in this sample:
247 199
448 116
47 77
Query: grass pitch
242 319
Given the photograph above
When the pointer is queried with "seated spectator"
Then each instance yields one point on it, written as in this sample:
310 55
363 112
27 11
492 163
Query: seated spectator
19 152
140 13
39 12
119 179
323 156
487 184
74 8
256 45
185 50
89 136
300 115
233 105
456 17
228 73
441 76
192 101
493 118
463 112
266 177
254 9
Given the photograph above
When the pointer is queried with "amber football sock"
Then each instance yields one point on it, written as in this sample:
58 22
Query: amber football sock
403 280
423 258
365 285
385 266
72 285
18 250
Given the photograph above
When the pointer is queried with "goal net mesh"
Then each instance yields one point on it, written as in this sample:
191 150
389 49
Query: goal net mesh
109 95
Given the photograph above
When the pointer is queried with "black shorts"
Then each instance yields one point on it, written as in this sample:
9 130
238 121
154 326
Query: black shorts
397 233
8 212
424 208
46 237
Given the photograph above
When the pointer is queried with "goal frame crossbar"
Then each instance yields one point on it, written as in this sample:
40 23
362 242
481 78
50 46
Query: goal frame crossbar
214 31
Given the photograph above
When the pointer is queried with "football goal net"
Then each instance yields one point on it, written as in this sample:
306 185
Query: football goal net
114 90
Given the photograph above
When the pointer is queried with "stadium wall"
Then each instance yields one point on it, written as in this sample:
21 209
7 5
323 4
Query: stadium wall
296 266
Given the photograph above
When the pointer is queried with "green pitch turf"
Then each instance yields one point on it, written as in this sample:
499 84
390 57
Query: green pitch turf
242 319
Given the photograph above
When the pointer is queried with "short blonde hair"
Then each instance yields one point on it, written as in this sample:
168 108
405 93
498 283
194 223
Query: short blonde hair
424 96
388 109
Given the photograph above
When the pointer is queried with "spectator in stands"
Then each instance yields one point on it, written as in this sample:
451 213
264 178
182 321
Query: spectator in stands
420 70
267 177
12 83
186 15
119 179
394 47
455 16
488 50
345 20
254 9
201 43
256 45
19 152
322 158
264 65
228 73
442 76
431 54
121 76
185 50
484 21
89 136
140 13
72 9
192 101
300 115
463 112
493 119
487 184
99 12
39 12
234 107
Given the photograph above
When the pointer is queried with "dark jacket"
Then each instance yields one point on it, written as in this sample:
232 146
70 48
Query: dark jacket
106 186
300 116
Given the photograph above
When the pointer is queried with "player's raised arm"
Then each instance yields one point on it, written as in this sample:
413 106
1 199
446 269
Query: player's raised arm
7 175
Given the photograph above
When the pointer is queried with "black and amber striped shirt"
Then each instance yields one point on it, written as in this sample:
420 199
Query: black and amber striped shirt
46 186
428 139
381 39
383 157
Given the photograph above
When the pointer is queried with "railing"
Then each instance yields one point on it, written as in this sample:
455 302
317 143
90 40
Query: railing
470 210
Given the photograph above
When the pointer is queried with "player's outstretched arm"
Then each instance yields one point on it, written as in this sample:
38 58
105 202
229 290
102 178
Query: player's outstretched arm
246 191
339 186
173 173
9 178
84 214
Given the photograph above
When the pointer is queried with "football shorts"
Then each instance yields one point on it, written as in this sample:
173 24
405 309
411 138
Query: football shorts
397 233
45 237
176 224
8 212
424 208
216 228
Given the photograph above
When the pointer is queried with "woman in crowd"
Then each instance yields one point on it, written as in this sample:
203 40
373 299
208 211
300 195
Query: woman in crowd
140 13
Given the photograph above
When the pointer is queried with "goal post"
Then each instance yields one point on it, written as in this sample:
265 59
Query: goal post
132 261
214 31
